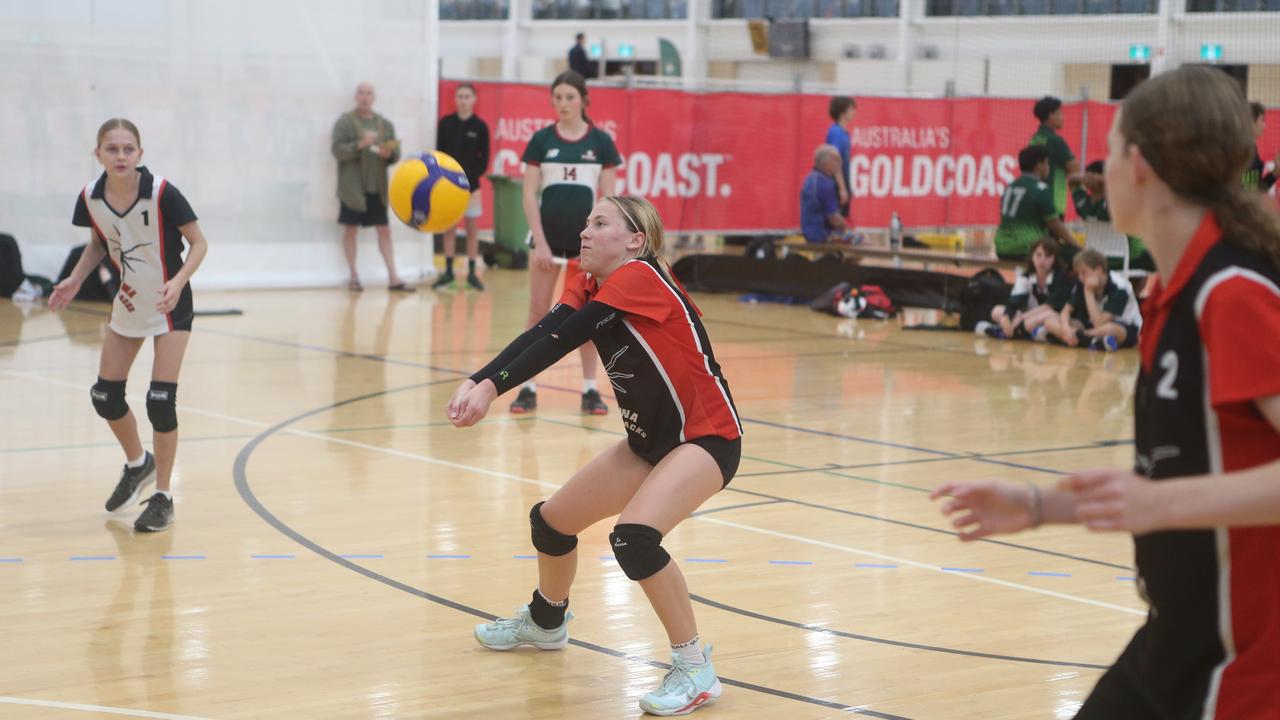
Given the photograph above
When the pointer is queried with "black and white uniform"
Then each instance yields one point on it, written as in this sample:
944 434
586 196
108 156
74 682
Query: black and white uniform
145 245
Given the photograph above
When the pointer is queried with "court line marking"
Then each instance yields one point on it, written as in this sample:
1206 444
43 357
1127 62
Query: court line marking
97 709
923 566
241 477
539 483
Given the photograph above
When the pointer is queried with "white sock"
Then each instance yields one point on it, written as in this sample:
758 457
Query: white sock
168 495
589 385
690 652
135 464
531 386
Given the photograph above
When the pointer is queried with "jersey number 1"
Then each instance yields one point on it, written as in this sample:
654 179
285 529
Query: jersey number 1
146 218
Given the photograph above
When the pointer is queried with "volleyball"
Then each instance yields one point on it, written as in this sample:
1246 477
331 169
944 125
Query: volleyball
429 192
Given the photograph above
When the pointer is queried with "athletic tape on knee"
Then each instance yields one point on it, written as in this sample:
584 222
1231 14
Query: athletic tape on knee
546 539
108 399
638 549
162 406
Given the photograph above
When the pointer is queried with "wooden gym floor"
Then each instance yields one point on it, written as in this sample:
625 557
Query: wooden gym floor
336 538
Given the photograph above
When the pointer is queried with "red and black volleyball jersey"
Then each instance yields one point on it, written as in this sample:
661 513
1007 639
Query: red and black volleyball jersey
145 245
668 385
1211 347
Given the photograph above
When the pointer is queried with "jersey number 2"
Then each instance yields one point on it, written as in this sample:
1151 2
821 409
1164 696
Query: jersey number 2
1165 389
146 218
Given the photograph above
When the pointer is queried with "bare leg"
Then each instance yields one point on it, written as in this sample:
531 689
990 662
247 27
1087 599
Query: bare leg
597 491
349 248
473 239
388 253
118 354
450 242
685 479
170 349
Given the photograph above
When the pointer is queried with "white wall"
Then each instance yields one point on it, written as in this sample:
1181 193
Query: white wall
235 101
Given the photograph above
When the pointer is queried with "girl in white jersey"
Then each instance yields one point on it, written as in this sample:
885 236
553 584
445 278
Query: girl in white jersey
140 221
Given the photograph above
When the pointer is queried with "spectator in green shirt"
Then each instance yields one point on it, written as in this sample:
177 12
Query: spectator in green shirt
1062 163
1090 198
365 145
1027 212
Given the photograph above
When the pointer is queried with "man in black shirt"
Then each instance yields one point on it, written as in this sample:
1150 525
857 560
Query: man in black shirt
578 60
465 137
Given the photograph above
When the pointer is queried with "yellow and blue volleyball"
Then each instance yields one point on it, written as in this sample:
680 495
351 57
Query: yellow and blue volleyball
429 192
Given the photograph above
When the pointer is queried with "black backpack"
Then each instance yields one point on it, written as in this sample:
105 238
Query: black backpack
985 290
11 275
101 284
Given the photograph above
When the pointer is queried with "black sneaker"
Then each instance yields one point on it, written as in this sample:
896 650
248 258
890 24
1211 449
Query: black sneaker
474 282
158 515
132 482
526 401
592 404
445 280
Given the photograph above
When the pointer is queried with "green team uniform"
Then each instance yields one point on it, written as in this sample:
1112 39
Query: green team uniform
1059 156
1024 208
570 175
1091 208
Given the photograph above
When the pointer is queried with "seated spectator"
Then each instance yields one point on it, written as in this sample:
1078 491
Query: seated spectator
1089 195
1040 291
1101 313
820 217
1027 212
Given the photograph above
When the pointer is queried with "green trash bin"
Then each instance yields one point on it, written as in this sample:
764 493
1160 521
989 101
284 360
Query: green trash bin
509 226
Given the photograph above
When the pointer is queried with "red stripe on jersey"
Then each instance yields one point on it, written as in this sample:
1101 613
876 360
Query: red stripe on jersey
1235 308
164 265
675 343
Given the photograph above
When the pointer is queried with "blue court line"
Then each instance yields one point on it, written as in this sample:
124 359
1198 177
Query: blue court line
874 565
361 556
607 558
1126 577
272 557
706 560
92 557
447 557
11 560
1038 573
183 557
962 570
524 557
790 562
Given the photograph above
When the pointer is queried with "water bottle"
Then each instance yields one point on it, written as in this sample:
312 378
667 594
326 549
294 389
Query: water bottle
895 232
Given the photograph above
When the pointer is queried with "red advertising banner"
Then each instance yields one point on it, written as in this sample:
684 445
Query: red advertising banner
735 161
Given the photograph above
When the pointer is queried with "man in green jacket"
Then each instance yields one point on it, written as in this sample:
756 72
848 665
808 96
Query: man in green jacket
365 144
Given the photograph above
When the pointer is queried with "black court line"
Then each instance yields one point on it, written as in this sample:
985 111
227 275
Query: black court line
885 641
739 506
240 472
832 336
927 528
16 342
975 456
945 455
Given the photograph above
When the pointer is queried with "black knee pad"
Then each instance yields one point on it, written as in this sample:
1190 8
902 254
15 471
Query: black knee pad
546 539
108 399
638 549
162 406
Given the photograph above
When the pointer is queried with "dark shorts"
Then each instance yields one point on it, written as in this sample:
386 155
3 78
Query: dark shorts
727 454
1147 682
375 212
